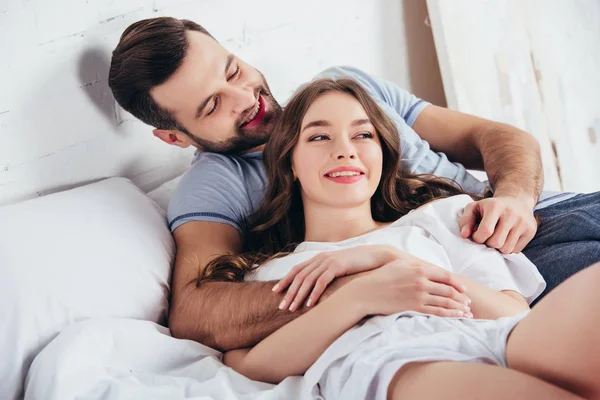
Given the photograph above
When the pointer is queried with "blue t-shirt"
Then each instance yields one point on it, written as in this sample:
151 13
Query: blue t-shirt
228 189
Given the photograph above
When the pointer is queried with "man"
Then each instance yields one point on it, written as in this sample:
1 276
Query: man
174 76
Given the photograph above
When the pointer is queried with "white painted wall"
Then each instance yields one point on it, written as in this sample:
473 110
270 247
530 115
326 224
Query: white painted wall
60 127
534 64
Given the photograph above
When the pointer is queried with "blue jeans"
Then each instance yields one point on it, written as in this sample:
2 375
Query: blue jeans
567 240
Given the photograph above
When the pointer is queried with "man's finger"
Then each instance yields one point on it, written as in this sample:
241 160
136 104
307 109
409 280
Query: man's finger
468 220
504 227
509 245
522 243
487 226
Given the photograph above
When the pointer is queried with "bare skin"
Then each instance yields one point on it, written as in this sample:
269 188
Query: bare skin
554 353
510 157
211 313
457 381
223 315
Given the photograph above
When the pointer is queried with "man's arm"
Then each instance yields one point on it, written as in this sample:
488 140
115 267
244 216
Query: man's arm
222 315
511 158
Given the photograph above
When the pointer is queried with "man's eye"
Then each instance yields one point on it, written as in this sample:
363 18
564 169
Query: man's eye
214 107
237 70
317 138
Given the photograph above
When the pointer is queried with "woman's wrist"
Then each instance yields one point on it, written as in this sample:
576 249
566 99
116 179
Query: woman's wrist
387 253
349 297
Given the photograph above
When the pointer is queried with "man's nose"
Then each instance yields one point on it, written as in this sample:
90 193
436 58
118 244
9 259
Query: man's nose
243 99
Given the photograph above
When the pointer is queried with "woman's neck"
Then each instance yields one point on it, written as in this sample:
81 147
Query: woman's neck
325 224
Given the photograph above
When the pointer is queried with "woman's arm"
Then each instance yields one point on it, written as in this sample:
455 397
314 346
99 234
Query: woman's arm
400 285
487 303
292 349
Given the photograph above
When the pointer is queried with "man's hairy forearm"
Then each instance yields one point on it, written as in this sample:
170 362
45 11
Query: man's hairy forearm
228 315
233 315
512 161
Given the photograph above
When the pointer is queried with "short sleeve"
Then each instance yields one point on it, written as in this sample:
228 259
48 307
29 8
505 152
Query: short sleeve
405 104
212 190
475 261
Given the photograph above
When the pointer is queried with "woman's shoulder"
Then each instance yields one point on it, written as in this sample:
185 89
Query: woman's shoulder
446 203
446 209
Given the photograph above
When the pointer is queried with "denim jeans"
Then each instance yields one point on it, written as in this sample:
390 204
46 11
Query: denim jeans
567 240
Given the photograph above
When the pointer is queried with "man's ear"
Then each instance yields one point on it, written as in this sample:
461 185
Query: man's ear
172 137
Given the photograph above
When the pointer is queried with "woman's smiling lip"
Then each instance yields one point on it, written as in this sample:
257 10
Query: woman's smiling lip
339 177
344 169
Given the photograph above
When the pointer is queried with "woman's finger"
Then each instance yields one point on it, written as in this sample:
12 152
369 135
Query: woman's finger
324 280
441 312
296 284
440 275
447 303
289 277
443 290
306 287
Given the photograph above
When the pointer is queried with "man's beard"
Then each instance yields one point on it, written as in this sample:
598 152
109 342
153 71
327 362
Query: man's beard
246 139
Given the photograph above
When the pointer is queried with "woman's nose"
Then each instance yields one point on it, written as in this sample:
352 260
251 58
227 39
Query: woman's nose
345 150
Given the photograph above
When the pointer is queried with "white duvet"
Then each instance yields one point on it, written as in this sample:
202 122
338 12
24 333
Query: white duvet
106 359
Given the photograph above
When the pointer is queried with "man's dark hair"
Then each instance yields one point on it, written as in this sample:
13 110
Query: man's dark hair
149 52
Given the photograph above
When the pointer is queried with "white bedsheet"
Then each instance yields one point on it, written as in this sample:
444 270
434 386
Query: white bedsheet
108 359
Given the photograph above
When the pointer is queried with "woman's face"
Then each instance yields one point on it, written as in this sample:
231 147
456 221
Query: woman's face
338 158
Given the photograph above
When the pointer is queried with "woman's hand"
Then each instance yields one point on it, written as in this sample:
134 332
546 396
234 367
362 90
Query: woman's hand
316 273
411 286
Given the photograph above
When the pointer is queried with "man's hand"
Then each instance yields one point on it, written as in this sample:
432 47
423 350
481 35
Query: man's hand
505 223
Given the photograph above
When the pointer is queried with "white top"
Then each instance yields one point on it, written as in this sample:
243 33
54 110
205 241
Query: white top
430 233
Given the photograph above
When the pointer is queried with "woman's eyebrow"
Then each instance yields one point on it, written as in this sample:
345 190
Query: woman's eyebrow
322 122
319 122
363 121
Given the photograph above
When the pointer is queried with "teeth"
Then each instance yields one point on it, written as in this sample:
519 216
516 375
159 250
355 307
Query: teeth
343 173
251 116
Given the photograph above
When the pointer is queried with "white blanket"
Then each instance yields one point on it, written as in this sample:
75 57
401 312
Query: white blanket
107 359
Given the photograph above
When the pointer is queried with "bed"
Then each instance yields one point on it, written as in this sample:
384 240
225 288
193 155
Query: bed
85 260
85 294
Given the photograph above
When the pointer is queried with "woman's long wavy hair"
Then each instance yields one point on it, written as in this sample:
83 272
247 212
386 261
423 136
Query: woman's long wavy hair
277 227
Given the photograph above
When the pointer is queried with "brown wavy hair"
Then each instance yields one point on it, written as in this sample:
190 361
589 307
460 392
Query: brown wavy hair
278 226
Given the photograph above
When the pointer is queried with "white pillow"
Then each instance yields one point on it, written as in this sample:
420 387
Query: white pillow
102 250
162 194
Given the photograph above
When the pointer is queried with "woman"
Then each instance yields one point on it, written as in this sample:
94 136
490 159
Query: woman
338 198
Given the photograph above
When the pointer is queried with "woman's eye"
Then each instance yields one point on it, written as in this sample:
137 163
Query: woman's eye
214 107
317 138
365 135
